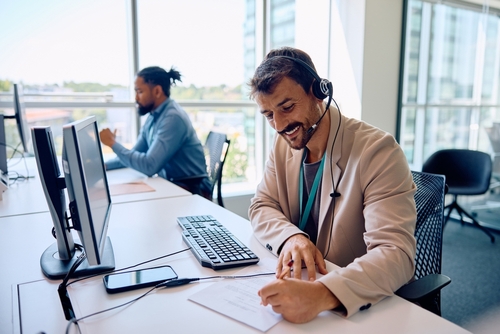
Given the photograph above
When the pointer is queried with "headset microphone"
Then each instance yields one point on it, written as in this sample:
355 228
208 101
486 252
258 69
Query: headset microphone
313 127
335 194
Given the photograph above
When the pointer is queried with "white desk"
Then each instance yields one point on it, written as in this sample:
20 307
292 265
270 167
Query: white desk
162 187
26 197
148 229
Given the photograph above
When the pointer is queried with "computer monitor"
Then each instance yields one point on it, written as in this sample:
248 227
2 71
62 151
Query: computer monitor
20 115
89 199
4 173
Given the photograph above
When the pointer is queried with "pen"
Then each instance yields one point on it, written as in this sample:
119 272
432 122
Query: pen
287 269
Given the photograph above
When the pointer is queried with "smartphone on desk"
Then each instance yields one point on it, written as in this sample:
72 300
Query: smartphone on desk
137 279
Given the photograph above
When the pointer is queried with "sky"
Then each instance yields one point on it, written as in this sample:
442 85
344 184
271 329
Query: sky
52 41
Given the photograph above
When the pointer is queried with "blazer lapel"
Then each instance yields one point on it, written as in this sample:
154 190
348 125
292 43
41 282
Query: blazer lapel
331 168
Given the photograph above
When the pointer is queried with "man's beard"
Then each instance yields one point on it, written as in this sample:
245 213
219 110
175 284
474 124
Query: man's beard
297 145
305 133
143 110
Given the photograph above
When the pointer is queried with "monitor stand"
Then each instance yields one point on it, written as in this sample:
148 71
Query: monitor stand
54 268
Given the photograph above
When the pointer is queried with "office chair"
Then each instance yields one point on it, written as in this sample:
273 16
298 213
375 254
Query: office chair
215 148
467 172
425 290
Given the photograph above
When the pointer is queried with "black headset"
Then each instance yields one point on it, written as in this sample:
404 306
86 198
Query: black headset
322 88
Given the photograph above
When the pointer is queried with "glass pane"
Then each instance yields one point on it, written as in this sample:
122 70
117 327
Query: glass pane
282 23
446 128
463 78
203 40
63 46
215 61
412 51
408 133
66 51
489 138
491 71
239 125
453 54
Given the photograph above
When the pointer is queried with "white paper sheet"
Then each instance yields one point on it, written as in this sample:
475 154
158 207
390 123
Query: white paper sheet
238 298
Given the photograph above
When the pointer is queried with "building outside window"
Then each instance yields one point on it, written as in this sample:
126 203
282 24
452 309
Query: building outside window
450 95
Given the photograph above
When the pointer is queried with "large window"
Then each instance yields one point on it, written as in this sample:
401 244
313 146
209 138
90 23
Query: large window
79 58
71 57
450 96
207 42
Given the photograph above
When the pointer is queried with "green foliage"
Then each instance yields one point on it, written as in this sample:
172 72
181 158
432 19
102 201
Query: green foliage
100 114
85 87
5 85
192 92
236 164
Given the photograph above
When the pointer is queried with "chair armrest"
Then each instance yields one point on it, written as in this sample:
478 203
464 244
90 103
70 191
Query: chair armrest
424 287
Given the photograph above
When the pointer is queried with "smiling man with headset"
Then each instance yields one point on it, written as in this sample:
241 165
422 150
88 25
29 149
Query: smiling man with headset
334 188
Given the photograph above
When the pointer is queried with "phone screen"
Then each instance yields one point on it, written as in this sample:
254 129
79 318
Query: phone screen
137 279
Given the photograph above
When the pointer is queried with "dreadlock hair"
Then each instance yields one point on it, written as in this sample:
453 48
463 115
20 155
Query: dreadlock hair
156 75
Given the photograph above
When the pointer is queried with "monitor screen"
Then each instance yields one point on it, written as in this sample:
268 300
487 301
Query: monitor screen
3 148
87 185
4 173
20 115
89 199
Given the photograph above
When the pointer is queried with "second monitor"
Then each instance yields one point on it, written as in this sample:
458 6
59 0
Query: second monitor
89 206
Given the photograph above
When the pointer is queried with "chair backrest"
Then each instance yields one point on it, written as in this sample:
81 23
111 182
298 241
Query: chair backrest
429 199
216 148
467 172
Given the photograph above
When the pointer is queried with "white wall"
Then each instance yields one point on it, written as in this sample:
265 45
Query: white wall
381 63
372 37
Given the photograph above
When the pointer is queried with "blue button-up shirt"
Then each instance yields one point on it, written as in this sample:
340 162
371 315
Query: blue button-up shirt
167 146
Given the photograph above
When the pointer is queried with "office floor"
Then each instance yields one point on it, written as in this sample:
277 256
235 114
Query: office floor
473 263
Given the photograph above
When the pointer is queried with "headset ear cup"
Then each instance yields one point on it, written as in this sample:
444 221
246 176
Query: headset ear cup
318 91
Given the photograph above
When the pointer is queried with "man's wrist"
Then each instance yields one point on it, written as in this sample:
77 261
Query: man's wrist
329 301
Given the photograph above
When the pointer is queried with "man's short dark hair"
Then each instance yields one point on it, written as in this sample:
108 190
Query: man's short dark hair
155 75
273 69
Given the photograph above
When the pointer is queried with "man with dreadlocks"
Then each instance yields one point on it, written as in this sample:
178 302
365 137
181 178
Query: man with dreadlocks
167 143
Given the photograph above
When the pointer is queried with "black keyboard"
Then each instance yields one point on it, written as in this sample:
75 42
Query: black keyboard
213 245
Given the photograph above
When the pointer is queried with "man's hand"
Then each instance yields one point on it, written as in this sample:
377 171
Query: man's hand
300 249
107 137
296 300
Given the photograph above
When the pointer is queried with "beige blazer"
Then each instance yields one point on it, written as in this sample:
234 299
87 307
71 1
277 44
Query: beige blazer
367 231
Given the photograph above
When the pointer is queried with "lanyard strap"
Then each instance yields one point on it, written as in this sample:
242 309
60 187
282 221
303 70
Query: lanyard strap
312 194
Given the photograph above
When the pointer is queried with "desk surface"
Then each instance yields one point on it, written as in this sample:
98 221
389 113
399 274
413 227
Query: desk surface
26 197
148 229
